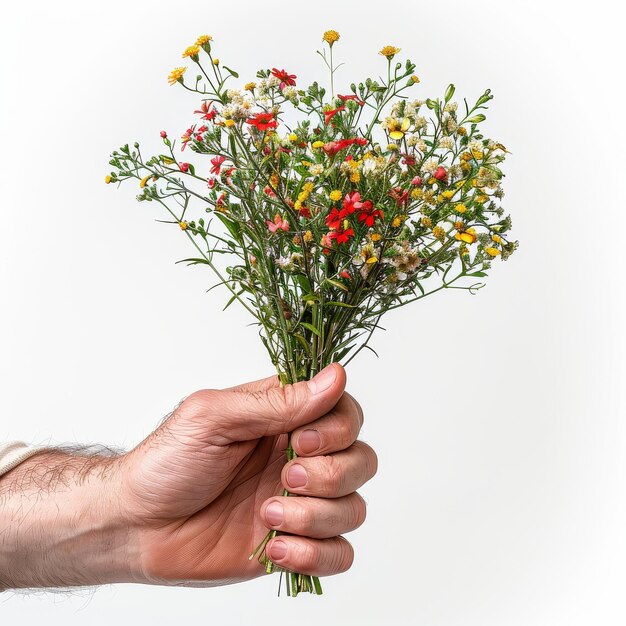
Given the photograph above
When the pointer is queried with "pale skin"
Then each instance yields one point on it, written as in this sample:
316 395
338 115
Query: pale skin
189 504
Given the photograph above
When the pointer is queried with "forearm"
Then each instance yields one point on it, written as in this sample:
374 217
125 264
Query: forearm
61 523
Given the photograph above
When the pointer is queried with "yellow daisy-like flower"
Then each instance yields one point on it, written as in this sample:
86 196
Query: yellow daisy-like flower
398 220
392 147
439 233
216 61
183 225
107 179
461 130
389 51
293 137
355 177
426 221
203 39
416 193
191 51
330 36
308 236
492 251
274 178
460 208
496 238
249 86
415 78
318 144
335 195
447 194
398 127
144 180
176 75
229 123
376 237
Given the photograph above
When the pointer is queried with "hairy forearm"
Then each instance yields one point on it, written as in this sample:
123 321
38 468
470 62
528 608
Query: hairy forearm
61 523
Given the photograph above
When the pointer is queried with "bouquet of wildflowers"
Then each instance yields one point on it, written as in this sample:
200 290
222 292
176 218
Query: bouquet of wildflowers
319 212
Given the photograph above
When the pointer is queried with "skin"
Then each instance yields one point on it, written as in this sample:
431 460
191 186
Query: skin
190 503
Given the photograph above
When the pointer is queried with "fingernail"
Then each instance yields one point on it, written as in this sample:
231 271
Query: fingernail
296 476
278 550
323 380
309 441
274 513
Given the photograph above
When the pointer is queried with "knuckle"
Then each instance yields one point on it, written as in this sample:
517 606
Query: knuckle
358 510
304 518
334 475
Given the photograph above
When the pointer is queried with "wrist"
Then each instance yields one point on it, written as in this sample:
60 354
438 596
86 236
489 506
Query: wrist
64 524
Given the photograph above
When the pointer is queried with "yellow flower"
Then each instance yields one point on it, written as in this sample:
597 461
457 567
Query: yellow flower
467 236
389 51
308 236
397 127
191 51
318 144
496 238
492 251
176 75
415 78
203 39
306 163
335 195
216 61
293 137
355 177
439 233
426 221
107 179
477 154
482 199
461 130
416 193
392 147
398 220
183 225
330 36
249 86
274 180
144 180
376 237
460 208
229 123
447 194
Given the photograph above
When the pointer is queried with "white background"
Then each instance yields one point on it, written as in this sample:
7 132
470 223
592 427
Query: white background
498 419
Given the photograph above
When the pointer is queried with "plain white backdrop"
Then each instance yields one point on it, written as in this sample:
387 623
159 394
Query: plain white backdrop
498 419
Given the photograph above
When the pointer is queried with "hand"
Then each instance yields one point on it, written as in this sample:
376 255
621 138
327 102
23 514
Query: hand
200 492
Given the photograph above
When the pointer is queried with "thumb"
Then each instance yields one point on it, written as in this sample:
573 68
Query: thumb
264 407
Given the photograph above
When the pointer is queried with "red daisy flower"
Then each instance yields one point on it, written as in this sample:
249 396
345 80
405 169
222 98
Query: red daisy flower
262 121
286 79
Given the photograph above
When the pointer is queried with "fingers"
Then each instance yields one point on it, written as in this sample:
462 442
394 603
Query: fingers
318 518
337 430
331 476
317 557
264 407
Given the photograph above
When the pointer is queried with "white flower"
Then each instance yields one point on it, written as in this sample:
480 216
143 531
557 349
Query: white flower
451 106
316 169
474 144
446 143
431 165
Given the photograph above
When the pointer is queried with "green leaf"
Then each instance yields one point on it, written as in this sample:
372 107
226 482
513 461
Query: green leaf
235 74
342 304
477 274
303 342
194 261
476 119
311 328
336 283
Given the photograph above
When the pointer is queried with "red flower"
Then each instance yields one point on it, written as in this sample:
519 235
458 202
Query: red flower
335 217
341 235
263 121
286 79
332 147
329 114
278 224
417 181
211 183
187 137
217 162
361 141
408 159
345 274
163 134
184 167
269 191
352 97
352 202
440 173
208 113
368 213
304 212
220 200
399 195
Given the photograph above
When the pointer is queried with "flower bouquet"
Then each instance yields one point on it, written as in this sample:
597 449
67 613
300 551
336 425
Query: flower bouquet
319 212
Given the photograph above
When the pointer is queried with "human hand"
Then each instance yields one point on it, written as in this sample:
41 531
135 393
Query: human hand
200 492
